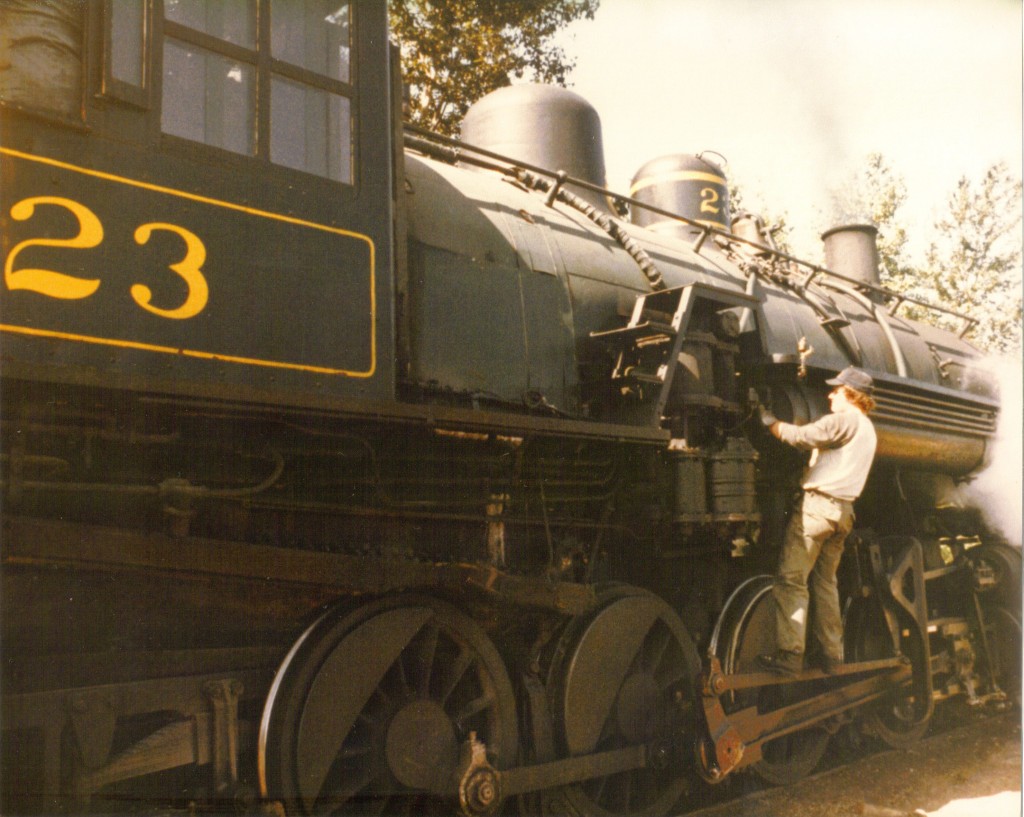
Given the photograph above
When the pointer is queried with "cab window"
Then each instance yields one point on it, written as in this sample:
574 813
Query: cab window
278 90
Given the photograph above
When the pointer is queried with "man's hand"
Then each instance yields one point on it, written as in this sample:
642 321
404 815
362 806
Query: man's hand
767 418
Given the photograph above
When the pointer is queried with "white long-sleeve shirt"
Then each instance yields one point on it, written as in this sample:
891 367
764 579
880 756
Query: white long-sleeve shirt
843 446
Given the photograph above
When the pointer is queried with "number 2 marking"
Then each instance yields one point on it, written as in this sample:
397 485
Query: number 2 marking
48 282
709 200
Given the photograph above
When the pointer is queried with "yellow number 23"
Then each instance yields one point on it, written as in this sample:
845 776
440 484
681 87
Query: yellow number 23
90 234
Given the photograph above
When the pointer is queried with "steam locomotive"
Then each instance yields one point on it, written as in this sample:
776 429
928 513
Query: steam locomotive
351 469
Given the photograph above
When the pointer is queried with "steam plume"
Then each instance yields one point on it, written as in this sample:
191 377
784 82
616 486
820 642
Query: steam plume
997 489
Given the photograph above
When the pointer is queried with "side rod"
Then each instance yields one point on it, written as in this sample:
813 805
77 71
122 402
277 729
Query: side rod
734 740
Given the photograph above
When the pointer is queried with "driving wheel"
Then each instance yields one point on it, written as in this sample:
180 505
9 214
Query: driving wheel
747 629
623 675
1003 635
898 719
368 711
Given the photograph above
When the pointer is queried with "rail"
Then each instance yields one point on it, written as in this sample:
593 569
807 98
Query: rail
455 150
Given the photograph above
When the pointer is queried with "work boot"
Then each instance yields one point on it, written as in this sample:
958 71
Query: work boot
830 665
782 662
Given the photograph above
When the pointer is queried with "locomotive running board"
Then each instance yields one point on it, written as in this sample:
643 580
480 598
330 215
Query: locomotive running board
735 740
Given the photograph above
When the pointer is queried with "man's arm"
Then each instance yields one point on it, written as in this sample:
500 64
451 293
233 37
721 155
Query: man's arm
830 431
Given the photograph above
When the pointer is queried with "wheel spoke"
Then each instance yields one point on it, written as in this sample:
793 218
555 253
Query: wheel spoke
426 656
367 720
609 734
472 708
380 695
403 678
359 780
658 649
455 673
352 749
670 677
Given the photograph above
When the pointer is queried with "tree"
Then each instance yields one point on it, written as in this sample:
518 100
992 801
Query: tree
973 263
975 258
777 224
874 196
454 52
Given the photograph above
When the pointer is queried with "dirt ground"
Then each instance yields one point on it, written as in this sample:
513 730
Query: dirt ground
972 770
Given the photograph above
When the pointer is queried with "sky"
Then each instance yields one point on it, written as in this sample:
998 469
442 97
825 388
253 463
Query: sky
796 93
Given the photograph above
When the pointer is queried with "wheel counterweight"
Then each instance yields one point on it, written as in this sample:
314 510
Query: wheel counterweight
623 675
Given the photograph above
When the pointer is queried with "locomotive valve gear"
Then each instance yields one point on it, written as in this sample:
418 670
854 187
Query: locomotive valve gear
843 448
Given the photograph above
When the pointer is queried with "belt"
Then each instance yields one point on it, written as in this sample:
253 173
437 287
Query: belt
829 497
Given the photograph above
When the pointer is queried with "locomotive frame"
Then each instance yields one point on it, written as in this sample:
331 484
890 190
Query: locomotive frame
424 477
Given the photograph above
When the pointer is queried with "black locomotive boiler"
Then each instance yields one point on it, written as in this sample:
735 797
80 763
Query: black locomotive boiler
348 469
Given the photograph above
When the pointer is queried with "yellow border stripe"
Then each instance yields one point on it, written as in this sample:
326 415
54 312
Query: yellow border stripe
671 222
230 206
182 194
149 347
677 176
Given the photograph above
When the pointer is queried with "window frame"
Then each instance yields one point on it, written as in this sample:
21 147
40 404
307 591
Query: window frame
266 66
139 96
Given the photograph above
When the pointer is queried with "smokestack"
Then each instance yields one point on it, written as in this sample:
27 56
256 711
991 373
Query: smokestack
852 250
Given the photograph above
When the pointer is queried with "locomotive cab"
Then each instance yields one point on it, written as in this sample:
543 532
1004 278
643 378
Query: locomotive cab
179 133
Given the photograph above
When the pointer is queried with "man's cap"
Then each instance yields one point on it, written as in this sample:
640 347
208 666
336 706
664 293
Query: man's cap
854 378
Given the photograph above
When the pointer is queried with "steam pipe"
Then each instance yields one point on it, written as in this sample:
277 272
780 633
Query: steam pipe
635 251
882 318
167 487
506 165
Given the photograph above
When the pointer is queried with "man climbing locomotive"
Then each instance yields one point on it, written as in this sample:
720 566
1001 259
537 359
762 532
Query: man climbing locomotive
843 447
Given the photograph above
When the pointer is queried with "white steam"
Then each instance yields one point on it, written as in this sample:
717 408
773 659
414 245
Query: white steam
997 489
